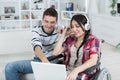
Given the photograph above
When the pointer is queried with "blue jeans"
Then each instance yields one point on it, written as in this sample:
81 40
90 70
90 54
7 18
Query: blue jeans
14 69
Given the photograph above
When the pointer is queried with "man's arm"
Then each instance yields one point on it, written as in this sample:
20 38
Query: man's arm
40 54
37 45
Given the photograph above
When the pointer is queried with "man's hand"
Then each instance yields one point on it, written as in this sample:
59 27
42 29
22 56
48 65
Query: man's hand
41 55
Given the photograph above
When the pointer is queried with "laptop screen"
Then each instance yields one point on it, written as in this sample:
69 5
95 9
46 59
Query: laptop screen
48 71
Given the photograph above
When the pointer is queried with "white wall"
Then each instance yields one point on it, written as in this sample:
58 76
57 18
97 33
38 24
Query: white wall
107 28
92 8
104 25
15 41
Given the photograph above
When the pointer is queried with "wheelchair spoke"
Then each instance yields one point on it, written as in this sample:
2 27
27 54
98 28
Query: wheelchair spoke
104 75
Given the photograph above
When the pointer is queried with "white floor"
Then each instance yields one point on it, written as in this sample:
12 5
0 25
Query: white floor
110 59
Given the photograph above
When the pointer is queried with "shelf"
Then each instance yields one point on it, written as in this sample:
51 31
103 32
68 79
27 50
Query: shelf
37 10
28 13
68 8
9 20
67 15
25 10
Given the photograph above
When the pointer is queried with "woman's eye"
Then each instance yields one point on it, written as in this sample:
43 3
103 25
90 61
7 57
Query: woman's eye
71 26
77 26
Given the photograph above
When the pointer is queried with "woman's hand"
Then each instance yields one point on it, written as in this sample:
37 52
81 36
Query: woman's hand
72 75
66 31
60 30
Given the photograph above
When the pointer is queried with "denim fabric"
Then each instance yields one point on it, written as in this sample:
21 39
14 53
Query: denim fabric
14 69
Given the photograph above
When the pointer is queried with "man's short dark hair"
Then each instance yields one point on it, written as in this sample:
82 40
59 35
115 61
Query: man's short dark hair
50 12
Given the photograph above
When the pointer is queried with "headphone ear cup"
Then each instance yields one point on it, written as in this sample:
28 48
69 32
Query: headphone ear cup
87 25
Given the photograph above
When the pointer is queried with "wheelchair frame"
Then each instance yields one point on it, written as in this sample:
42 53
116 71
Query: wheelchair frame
101 74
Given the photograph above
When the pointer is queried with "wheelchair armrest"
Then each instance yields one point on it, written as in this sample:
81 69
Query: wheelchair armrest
89 70
55 57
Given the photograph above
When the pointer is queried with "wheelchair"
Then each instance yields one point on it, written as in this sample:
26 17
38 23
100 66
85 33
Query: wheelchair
101 74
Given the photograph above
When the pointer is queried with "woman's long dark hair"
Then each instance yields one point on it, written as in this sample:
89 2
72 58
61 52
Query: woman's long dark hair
81 20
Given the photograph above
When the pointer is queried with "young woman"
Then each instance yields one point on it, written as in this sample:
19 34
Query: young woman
81 48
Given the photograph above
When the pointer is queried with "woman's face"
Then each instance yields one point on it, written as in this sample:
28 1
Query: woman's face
76 29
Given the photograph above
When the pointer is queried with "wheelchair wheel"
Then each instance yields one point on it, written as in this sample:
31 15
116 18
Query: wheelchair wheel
104 74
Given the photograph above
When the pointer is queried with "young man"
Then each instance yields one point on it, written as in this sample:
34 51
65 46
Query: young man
43 42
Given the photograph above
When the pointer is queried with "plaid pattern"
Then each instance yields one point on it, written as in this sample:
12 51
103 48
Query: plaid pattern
92 46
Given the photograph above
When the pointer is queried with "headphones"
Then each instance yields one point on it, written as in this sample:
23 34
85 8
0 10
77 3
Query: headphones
87 25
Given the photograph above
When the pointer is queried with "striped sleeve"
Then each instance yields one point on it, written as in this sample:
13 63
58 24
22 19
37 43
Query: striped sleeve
36 38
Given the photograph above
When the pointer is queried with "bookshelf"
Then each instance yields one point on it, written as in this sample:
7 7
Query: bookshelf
27 14
20 14
71 7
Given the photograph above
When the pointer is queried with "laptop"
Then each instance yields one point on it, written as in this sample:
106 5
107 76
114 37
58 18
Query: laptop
48 71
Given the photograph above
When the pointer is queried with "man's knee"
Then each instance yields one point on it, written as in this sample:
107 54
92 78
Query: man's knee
9 67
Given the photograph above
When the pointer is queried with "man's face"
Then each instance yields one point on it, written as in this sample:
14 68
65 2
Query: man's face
49 23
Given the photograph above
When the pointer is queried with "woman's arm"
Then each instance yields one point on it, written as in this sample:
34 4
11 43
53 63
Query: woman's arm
89 63
58 48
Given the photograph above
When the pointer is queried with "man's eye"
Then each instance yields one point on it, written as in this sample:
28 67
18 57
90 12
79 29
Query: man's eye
52 22
46 21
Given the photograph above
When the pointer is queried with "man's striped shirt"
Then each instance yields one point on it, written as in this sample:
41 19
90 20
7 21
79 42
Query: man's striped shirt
44 40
